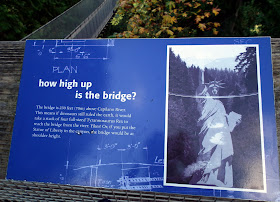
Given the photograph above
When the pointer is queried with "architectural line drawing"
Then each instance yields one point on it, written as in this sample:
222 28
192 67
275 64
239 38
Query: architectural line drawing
75 49
129 175
112 164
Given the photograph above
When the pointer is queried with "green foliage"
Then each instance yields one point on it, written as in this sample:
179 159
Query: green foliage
19 18
249 17
187 18
165 18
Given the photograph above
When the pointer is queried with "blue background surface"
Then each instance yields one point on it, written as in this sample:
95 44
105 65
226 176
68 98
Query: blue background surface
126 65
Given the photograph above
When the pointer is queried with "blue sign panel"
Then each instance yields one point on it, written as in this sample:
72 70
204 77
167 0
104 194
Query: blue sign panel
189 116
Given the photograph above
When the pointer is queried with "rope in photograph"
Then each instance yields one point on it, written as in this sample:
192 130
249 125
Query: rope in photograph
217 97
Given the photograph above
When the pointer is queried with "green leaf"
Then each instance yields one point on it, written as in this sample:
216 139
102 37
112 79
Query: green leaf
170 4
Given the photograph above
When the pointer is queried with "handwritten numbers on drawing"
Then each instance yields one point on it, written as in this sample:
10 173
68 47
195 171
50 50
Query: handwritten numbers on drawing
133 146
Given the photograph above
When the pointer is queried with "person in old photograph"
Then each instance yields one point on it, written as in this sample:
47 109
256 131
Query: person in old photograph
214 162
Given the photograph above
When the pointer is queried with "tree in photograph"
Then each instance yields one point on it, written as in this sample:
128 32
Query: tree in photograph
165 18
182 118
247 69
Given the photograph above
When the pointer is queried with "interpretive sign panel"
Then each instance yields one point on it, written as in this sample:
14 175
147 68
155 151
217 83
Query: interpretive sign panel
189 116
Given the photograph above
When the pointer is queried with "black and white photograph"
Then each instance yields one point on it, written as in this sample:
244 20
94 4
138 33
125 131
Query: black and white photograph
214 136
